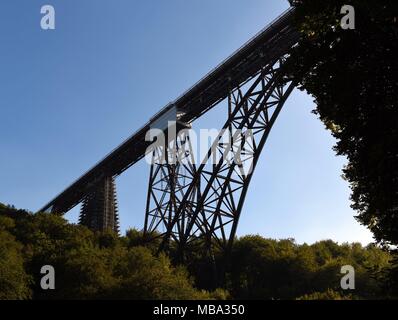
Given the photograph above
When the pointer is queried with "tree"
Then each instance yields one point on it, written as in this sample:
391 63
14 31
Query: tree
352 76
269 269
87 265
327 295
142 276
103 265
14 282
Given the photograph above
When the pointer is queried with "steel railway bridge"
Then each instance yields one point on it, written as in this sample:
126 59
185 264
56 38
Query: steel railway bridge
187 201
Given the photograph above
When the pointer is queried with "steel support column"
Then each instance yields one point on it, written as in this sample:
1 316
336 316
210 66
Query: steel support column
168 182
210 204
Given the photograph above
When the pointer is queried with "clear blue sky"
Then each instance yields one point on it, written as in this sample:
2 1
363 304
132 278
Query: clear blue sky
69 96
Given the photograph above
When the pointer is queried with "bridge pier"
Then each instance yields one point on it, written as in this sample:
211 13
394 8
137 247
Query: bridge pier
168 183
210 205
99 208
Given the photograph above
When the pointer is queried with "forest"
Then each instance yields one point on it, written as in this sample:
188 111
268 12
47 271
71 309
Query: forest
105 265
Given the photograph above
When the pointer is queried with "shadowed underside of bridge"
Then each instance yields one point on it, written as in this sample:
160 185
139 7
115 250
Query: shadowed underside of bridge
190 201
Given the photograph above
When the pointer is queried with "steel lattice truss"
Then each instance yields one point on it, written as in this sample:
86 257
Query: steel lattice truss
188 203
168 184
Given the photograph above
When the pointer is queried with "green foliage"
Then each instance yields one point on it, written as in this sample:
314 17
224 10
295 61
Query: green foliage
142 276
14 282
352 76
106 266
269 269
327 295
87 265
136 238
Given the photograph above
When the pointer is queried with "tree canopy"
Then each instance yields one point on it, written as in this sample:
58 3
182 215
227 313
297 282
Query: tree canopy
105 265
88 265
352 75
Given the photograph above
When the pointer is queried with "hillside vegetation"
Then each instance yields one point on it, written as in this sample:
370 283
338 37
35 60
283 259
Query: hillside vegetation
107 266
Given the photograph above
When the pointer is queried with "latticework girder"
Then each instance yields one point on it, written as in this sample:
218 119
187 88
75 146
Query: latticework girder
208 205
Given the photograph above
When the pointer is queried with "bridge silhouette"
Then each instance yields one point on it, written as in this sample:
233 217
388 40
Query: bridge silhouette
186 201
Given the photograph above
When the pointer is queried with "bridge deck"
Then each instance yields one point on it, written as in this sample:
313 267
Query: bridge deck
269 44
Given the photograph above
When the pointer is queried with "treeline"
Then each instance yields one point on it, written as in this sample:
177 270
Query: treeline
87 265
106 266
